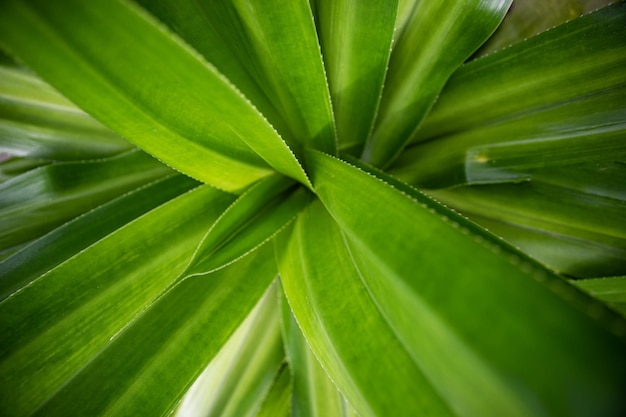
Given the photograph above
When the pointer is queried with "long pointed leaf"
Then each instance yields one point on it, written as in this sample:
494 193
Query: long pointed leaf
239 377
314 394
438 38
54 326
127 87
356 43
575 60
183 331
37 122
34 203
71 238
252 220
343 325
442 275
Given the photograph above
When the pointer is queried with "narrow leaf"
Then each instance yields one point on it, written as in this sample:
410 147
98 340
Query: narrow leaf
53 327
578 59
575 232
437 39
271 48
343 325
182 331
69 239
314 394
37 122
589 128
36 202
356 43
239 377
442 275
252 220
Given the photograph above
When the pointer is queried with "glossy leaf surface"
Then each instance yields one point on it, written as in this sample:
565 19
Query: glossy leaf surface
69 239
314 394
438 38
239 378
356 44
37 122
436 294
39 200
130 90
196 310
570 62
342 323
54 326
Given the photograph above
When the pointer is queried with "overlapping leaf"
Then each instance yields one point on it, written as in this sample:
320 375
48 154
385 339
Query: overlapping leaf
185 113
555 99
451 301
56 324
37 122
437 39
64 242
39 200
356 43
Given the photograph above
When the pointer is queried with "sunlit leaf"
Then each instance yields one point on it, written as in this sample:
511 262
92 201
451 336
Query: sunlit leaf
438 38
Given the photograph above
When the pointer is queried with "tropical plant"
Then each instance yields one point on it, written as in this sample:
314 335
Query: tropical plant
312 208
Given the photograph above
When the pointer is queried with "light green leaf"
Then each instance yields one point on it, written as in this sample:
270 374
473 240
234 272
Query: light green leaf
573 61
183 330
185 113
437 39
251 221
277 402
469 294
611 290
356 43
276 44
36 202
71 238
37 122
238 379
314 394
576 232
343 325
211 35
54 326
588 128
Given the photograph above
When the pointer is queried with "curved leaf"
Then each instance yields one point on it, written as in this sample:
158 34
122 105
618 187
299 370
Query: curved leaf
54 326
239 377
314 394
36 202
442 275
69 239
343 324
356 43
574 231
183 330
251 221
576 60
437 39
185 113
37 122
